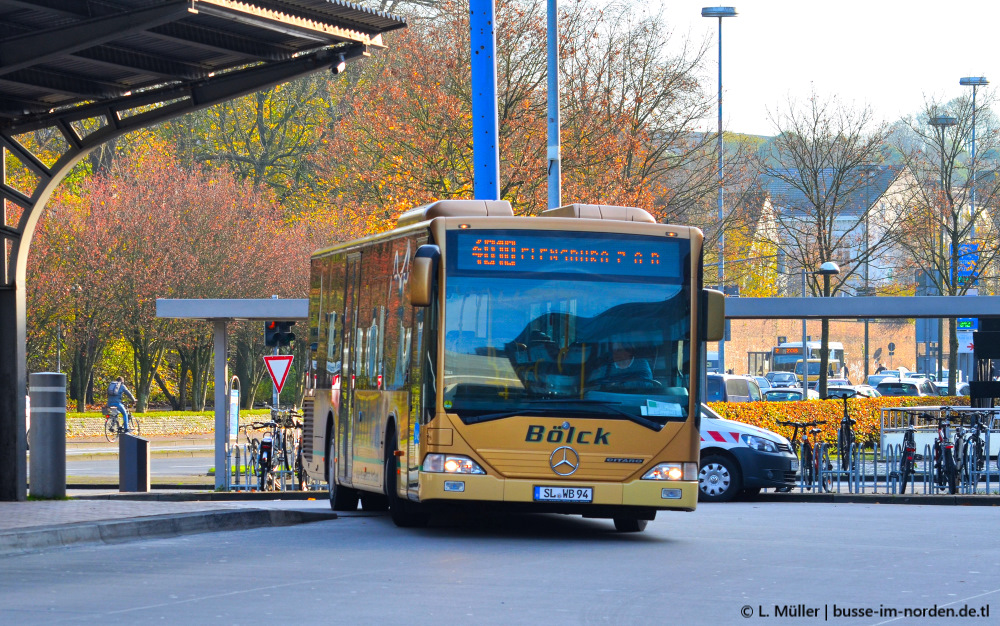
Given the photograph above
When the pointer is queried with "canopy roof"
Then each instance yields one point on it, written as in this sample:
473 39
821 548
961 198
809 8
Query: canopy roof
57 54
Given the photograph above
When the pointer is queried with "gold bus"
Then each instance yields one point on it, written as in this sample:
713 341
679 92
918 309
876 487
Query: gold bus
471 357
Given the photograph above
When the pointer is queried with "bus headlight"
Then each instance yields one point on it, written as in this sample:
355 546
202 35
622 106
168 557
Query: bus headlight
451 464
673 471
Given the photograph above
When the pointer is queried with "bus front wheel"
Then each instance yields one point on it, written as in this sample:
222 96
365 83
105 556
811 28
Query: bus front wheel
405 514
341 498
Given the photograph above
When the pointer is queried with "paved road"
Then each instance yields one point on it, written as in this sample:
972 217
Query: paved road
159 466
708 567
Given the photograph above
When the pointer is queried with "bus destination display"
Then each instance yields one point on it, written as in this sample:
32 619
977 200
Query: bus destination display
565 252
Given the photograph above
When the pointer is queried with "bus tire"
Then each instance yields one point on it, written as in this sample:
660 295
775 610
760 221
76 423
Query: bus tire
405 514
341 498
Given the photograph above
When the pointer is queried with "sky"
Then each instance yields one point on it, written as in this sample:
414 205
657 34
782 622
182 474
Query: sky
887 54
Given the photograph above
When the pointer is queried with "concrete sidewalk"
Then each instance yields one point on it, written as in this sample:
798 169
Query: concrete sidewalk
114 518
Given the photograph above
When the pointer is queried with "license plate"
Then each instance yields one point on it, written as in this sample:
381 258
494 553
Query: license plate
795 465
564 494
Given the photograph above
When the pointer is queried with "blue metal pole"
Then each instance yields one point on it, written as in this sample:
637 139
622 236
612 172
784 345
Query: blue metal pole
722 230
972 198
485 139
555 172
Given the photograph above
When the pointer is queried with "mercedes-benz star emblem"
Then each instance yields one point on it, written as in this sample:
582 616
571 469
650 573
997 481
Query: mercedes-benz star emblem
564 460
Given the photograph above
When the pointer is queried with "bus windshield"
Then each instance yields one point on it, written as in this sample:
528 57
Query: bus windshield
573 341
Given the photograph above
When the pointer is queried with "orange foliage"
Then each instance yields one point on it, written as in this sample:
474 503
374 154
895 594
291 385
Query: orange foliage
867 412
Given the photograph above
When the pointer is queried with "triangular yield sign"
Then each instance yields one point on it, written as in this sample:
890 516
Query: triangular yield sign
277 367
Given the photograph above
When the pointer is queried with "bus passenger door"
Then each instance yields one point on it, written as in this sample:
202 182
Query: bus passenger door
345 418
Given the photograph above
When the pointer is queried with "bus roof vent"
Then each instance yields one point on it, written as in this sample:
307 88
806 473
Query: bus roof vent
600 212
455 208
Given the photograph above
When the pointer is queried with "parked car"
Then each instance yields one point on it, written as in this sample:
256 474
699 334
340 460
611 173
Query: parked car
906 387
961 389
763 383
874 379
788 394
729 388
740 458
852 391
782 379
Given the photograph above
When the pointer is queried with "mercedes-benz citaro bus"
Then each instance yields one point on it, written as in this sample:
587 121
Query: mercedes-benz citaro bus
472 358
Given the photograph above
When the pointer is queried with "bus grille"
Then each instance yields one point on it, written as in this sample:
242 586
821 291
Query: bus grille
307 430
593 466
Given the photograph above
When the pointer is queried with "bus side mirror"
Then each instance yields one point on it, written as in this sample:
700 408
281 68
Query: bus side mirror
422 273
714 319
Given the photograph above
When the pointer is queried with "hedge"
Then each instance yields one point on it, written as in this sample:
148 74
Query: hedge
867 412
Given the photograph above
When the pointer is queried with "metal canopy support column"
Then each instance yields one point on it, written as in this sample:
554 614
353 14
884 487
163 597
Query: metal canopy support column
221 402
485 140
115 120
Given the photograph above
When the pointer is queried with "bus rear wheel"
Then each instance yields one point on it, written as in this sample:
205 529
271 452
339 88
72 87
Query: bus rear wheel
405 514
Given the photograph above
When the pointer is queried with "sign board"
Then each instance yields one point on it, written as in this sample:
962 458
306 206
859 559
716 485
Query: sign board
965 344
967 323
277 367
234 412
968 256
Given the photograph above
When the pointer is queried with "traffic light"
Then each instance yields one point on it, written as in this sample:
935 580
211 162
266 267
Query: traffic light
285 334
278 333
270 333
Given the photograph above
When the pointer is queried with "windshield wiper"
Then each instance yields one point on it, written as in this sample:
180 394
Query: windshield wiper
567 406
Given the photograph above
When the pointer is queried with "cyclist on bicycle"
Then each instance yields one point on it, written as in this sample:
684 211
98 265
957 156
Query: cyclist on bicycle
116 390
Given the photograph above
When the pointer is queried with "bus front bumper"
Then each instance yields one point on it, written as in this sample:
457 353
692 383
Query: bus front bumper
650 494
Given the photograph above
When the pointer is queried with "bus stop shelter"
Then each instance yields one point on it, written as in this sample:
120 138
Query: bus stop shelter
85 72
219 312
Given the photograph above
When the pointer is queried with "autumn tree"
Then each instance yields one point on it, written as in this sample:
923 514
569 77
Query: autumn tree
630 109
265 137
944 217
815 175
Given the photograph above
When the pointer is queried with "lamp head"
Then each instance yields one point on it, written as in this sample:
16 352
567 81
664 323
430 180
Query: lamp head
828 269
340 66
975 81
718 12
942 120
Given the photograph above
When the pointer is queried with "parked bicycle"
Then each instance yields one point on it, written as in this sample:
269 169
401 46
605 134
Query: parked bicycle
846 438
274 459
114 425
251 464
814 457
943 452
970 448
908 455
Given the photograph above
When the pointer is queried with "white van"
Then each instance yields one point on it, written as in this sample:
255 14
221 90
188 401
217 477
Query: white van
740 458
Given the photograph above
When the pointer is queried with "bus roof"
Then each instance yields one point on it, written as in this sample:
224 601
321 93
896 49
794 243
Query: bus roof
810 344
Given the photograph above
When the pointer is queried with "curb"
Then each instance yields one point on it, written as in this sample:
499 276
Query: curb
173 525
858 498
209 496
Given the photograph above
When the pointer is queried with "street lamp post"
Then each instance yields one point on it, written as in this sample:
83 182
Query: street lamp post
940 123
973 81
826 270
869 170
720 12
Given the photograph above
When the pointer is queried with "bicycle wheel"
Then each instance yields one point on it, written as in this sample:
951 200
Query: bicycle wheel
905 470
951 473
808 471
135 426
845 446
823 468
938 466
111 428
253 458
